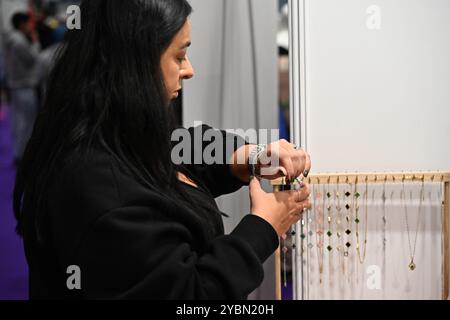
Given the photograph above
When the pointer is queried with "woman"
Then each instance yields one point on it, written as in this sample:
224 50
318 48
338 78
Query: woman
98 189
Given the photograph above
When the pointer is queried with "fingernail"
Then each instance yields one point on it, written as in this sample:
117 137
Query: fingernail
302 185
305 174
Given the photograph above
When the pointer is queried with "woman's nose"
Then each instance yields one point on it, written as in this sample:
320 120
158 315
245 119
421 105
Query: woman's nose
188 71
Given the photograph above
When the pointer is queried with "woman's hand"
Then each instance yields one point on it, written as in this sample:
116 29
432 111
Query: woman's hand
280 159
292 162
280 209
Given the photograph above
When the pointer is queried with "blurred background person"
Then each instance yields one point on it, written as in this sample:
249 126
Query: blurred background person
21 53
46 23
48 18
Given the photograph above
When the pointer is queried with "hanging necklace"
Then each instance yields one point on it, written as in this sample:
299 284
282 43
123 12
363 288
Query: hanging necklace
284 240
339 228
320 211
329 233
395 283
358 245
412 247
349 199
384 218
348 218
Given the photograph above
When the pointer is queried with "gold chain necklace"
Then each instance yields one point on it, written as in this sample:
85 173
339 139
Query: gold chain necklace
412 248
319 230
329 232
339 228
358 245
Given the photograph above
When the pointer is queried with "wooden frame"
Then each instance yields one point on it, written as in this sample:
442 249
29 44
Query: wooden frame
381 177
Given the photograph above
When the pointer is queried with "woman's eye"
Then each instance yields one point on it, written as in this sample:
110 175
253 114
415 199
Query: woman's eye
181 60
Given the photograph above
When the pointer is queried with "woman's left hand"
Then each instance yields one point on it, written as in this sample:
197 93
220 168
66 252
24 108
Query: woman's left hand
283 159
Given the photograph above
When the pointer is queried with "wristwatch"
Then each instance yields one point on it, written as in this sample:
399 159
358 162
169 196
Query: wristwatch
253 157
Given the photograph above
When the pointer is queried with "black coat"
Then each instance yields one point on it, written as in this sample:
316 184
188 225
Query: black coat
131 243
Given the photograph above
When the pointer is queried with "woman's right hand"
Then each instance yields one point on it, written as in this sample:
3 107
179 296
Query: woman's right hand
280 209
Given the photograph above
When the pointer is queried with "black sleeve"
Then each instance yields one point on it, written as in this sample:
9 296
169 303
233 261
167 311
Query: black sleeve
217 176
137 253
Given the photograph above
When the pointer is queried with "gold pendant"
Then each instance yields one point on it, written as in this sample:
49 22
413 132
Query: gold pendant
412 265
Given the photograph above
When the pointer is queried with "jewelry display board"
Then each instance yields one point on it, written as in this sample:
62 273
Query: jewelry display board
368 235
369 93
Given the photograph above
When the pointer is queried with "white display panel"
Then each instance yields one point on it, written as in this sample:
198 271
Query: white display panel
377 92
371 93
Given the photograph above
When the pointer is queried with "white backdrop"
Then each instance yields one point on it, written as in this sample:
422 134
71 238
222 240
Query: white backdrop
374 95
236 82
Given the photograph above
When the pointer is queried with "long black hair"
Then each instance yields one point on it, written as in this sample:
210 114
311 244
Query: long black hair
106 88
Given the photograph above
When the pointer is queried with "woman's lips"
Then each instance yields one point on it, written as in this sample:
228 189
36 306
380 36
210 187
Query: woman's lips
177 93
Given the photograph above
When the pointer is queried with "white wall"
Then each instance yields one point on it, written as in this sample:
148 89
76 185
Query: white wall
224 93
378 99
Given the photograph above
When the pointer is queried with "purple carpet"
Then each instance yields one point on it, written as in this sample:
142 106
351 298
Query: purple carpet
13 266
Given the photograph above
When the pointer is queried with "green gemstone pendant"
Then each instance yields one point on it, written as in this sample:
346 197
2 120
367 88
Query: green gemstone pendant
412 265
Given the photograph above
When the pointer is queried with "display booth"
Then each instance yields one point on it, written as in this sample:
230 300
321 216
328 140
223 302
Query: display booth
370 103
